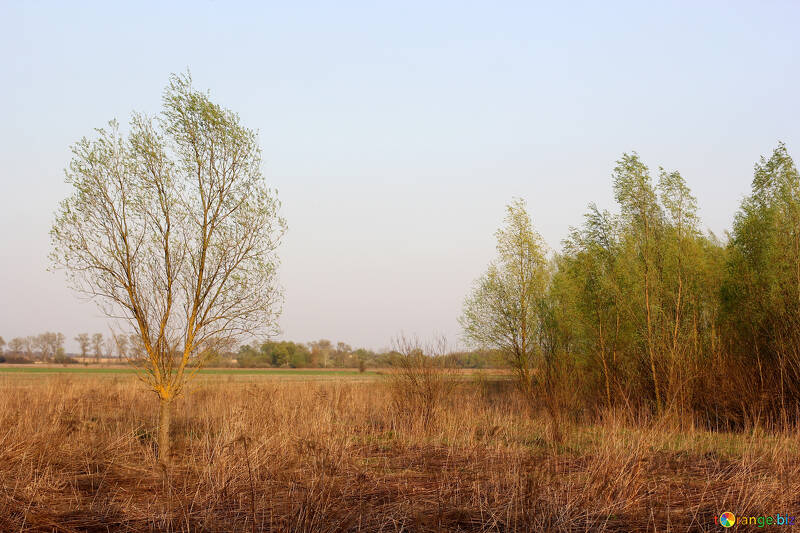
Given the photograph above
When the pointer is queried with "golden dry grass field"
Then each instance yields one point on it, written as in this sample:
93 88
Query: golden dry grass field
321 454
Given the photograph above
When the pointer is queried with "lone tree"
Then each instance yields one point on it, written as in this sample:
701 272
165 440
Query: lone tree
173 229
121 343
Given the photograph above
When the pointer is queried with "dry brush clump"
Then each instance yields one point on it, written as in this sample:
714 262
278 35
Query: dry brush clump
421 380
78 454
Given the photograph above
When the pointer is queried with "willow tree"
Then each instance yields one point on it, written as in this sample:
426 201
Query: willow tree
762 289
684 287
590 262
172 228
642 216
507 310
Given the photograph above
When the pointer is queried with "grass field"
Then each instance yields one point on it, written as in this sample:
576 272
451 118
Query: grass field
323 455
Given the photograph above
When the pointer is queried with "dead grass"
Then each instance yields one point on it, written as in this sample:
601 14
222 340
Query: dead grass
77 454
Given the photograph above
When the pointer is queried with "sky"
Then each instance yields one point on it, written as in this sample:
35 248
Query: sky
395 132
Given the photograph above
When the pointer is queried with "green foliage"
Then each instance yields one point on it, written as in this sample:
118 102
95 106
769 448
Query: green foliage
633 306
761 291
480 358
249 357
765 242
298 355
504 310
172 227
645 286
274 354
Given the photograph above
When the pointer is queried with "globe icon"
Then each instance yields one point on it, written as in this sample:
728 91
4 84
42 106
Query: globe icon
727 519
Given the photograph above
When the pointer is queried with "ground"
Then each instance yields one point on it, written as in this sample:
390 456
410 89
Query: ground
326 451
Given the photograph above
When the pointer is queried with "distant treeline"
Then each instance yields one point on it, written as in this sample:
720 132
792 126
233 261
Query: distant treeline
325 354
48 347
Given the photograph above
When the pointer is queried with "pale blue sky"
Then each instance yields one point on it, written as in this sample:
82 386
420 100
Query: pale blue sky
396 132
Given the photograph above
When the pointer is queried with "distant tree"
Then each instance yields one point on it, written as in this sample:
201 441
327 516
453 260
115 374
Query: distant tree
480 358
16 345
246 356
109 346
83 342
2 344
38 344
135 347
48 344
342 354
62 358
97 346
219 353
276 353
363 356
121 343
57 344
320 352
173 228
299 355
29 345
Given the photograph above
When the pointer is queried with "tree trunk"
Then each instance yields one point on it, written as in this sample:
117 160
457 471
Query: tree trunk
605 363
551 403
164 418
608 384
650 338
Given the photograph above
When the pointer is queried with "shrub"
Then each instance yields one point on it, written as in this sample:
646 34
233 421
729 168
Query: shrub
420 381
64 359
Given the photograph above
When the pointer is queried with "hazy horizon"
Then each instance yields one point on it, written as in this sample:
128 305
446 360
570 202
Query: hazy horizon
396 135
